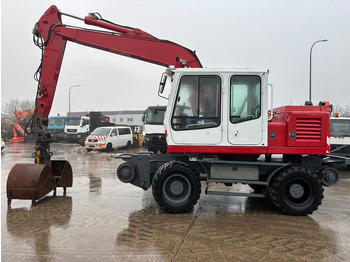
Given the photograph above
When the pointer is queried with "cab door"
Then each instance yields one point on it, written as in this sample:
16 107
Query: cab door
123 135
113 136
246 125
196 117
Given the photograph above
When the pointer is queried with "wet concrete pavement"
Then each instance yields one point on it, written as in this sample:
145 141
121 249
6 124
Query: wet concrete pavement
102 219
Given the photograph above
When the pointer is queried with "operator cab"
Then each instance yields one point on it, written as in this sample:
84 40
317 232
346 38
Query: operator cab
209 111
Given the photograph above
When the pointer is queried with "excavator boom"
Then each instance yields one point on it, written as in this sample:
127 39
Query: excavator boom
126 41
33 181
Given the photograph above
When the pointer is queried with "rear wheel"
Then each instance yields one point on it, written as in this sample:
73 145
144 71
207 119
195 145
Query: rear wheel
176 187
128 145
296 191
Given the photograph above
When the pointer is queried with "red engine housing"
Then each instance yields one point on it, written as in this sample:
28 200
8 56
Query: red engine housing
299 130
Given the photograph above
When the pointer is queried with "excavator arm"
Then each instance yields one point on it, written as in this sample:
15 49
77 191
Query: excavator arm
126 41
33 181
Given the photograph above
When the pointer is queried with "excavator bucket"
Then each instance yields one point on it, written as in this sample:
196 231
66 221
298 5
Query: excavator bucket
62 173
34 181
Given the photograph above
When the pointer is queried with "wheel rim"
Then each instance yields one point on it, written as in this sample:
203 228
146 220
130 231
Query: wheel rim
298 192
176 188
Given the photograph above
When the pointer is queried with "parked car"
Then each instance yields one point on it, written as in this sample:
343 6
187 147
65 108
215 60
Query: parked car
2 144
109 138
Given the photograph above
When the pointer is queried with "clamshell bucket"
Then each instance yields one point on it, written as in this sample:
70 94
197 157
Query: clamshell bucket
34 181
62 172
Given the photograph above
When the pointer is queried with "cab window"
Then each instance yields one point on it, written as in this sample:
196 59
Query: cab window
114 132
124 131
245 101
340 127
85 122
197 103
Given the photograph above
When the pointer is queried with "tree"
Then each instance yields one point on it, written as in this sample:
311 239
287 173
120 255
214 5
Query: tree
343 111
8 108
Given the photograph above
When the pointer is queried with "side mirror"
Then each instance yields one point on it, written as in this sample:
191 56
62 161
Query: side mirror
162 85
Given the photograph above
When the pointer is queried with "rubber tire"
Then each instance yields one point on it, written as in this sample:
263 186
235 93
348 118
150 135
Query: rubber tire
172 174
311 190
109 147
128 145
88 149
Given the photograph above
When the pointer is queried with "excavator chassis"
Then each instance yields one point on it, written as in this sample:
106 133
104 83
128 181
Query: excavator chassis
34 181
293 184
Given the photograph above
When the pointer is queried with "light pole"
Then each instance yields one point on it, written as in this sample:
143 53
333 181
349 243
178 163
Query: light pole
69 95
310 66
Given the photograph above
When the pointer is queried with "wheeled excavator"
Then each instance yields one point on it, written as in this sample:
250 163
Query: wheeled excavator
218 125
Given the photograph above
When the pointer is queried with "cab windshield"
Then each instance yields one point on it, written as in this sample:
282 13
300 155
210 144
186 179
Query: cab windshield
340 128
73 122
56 121
155 116
101 131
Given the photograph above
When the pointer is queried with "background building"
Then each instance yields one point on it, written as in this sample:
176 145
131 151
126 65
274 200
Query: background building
125 117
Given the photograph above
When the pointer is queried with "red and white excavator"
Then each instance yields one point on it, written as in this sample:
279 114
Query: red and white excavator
218 127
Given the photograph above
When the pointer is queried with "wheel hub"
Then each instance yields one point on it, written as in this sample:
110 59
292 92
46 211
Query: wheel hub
176 188
296 191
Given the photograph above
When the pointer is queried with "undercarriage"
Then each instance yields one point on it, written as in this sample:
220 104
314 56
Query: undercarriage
295 187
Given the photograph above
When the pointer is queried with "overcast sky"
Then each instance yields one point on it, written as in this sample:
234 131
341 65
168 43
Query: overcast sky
274 35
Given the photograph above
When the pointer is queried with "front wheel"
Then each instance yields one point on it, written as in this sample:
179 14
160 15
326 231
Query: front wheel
297 191
176 187
109 147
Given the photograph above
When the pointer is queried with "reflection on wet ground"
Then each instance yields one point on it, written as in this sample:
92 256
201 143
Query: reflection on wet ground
102 219
35 224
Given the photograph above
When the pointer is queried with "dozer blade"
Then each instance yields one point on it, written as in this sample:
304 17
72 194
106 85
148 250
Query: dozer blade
34 181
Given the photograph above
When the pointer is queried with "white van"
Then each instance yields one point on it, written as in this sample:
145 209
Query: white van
108 138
